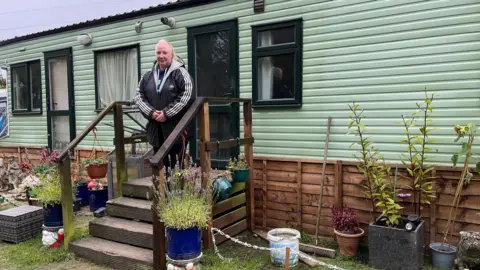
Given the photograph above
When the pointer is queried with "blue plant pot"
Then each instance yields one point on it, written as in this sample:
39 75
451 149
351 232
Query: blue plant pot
52 215
443 257
240 175
183 244
97 198
222 188
82 193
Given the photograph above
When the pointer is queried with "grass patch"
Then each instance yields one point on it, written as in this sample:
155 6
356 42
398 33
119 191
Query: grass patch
31 254
252 259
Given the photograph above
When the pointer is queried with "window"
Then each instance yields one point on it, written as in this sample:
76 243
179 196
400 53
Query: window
26 88
277 64
116 75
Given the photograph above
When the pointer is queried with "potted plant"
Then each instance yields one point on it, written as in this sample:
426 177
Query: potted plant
185 210
221 184
239 169
443 254
49 193
81 184
347 230
395 242
96 167
97 193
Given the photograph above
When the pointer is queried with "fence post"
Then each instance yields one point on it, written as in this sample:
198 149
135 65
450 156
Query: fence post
247 133
205 161
67 200
159 243
119 151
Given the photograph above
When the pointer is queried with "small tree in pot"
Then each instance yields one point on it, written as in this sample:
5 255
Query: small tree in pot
345 226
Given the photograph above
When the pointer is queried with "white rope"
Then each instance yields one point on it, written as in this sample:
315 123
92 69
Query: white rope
245 244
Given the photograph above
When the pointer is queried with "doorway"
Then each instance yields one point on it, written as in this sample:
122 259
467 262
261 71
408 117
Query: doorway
213 64
60 98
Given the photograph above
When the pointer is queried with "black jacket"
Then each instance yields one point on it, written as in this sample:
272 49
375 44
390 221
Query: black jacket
174 96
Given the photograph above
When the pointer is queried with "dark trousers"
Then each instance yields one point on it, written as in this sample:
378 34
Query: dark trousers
176 154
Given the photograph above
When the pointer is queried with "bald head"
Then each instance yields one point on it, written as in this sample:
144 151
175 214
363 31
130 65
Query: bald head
164 53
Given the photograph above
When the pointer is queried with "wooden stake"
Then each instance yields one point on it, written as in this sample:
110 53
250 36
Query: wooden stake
247 133
287 259
323 178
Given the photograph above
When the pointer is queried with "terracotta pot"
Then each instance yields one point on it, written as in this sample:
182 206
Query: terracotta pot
97 171
348 243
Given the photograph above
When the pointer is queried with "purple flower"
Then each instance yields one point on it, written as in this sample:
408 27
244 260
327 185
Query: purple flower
404 195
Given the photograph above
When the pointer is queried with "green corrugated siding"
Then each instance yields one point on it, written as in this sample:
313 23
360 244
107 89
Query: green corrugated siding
381 54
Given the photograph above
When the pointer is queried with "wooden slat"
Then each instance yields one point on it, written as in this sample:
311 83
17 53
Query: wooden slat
299 193
213 146
237 187
232 231
338 184
230 218
228 204
264 194
433 208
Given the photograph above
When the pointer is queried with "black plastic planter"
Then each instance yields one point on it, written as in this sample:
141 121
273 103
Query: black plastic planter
396 248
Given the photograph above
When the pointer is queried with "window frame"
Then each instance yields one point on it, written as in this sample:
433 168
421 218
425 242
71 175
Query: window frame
107 50
295 48
26 66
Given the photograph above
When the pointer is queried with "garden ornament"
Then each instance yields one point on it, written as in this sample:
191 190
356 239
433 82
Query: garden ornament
52 239
468 256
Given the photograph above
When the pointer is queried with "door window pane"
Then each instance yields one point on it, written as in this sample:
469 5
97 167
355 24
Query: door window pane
212 70
276 77
117 75
35 86
60 132
58 76
19 84
276 36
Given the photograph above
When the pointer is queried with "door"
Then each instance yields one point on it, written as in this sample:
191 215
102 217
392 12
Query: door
60 99
213 64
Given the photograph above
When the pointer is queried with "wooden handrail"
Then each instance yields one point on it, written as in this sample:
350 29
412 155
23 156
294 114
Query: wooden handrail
89 128
157 160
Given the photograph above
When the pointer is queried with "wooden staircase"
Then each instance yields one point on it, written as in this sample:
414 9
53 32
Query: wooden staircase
123 239
131 236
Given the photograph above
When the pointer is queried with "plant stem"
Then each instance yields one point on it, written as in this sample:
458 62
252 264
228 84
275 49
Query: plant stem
365 161
456 199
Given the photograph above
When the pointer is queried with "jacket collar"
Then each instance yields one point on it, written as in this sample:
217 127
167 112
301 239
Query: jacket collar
173 66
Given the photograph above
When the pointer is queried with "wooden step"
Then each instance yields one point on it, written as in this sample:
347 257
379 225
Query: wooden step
123 230
116 255
130 208
138 188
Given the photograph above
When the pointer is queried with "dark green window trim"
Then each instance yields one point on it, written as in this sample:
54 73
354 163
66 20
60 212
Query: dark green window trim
95 53
295 48
29 110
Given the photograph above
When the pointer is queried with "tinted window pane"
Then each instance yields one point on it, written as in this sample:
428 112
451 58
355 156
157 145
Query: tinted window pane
276 77
276 36
212 65
36 86
19 84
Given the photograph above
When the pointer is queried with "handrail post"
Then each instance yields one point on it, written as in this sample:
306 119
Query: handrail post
159 241
205 162
67 200
119 151
247 133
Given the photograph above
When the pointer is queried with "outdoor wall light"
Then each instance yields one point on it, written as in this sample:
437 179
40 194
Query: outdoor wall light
84 39
138 26
170 21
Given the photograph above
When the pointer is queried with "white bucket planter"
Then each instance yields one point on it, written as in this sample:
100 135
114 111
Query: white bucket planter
280 239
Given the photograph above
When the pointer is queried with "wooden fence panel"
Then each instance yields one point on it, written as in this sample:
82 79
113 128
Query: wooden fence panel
287 193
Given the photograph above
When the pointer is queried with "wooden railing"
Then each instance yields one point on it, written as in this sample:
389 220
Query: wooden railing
63 163
201 107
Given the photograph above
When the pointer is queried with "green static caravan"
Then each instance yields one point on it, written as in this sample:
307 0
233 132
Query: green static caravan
300 61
